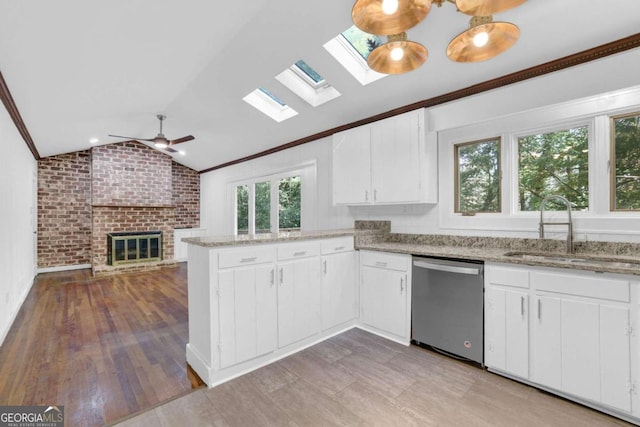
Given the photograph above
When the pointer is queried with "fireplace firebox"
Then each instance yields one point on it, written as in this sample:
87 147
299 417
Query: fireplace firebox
135 246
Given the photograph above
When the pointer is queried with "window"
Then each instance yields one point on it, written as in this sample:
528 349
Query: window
268 204
625 161
351 49
307 83
477 176
266 102
554 163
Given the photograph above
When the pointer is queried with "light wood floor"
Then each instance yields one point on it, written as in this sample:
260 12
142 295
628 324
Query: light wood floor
359 379
102 347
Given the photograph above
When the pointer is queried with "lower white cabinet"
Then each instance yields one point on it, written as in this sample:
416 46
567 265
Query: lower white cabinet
248 313
577 339
507 320
385 294
299 300
339 303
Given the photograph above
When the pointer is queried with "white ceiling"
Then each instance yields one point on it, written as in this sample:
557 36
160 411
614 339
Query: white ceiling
79 69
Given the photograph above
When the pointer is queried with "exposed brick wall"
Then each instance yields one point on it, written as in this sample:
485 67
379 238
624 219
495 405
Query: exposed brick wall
131 174
186 196
125 218
125 186
64 210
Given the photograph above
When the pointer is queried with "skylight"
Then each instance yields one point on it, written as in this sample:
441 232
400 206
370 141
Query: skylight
265 101
351 49
307 83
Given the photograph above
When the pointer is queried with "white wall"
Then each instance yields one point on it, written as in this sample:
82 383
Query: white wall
18 186
578 91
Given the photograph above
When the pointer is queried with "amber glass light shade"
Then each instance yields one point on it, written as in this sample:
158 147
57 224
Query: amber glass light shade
369 16
413 56
501 36
486 7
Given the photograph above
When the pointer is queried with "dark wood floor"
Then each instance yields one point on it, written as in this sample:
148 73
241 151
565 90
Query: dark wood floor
102 347
359 379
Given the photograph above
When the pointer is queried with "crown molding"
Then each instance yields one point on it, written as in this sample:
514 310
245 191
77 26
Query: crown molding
12 109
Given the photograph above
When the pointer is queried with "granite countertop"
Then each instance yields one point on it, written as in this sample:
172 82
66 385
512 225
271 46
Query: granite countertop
252 239
622 264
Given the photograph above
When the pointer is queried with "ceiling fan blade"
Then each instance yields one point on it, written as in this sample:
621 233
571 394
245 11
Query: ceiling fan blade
131 137
170 150
181 140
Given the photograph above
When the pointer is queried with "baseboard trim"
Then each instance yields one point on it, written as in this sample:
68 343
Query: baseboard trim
12 319
62 268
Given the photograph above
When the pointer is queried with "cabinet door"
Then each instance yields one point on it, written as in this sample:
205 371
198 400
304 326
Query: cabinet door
247 307
547 356
299 300
507 331
580 349
338 289
384 300
615 372
352 166
395 159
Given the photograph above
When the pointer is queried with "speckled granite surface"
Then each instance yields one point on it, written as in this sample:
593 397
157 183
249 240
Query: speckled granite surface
623 258
253 239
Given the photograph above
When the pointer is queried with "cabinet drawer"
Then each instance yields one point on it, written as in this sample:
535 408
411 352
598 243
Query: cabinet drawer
298 250
339 244
386 260
245 256
582 285
507 276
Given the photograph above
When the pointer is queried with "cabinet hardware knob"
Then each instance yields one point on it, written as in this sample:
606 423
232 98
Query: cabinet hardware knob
539 309
522 306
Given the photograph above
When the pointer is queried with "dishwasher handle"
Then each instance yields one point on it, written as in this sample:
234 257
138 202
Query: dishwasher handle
448 268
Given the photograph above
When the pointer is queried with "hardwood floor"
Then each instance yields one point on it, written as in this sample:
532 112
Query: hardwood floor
103 347
114 347
359 379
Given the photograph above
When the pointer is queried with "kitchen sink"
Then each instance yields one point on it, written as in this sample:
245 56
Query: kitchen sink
575 259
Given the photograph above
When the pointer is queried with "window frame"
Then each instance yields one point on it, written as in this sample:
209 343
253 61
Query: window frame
612 160
456 172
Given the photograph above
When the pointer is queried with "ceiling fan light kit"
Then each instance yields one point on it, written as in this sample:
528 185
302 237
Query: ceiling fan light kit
484 39
160 141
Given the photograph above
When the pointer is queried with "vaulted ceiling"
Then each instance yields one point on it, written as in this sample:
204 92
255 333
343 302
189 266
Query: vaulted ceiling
81 69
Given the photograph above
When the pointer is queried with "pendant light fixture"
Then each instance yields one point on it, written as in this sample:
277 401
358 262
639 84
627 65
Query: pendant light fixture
398 55
384 17
483 40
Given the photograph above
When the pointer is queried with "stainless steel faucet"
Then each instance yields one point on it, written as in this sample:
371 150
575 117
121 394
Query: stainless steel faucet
569 224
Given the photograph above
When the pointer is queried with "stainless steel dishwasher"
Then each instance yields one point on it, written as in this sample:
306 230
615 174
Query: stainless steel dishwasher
447 306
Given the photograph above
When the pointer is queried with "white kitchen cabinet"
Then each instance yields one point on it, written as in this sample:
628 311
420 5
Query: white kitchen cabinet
507 319
547 343
299 293
391 161
338 282
352 166
385 294
248 316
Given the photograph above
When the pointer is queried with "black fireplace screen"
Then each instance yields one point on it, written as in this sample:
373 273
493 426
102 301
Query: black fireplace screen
136 246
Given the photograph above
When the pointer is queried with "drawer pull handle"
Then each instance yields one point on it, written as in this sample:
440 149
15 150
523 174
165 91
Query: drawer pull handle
522 306
303 253
381 264
252 259
339 248
539 309
281 275
272 277
324 266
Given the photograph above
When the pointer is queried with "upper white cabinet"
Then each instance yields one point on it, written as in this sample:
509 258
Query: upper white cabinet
385 294
391 161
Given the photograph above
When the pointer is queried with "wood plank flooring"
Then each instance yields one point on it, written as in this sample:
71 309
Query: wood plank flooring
359 379
103 347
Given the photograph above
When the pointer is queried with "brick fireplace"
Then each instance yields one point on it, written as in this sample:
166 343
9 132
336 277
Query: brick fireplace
122 187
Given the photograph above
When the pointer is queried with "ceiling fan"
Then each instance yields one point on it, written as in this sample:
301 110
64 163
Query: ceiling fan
160 141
